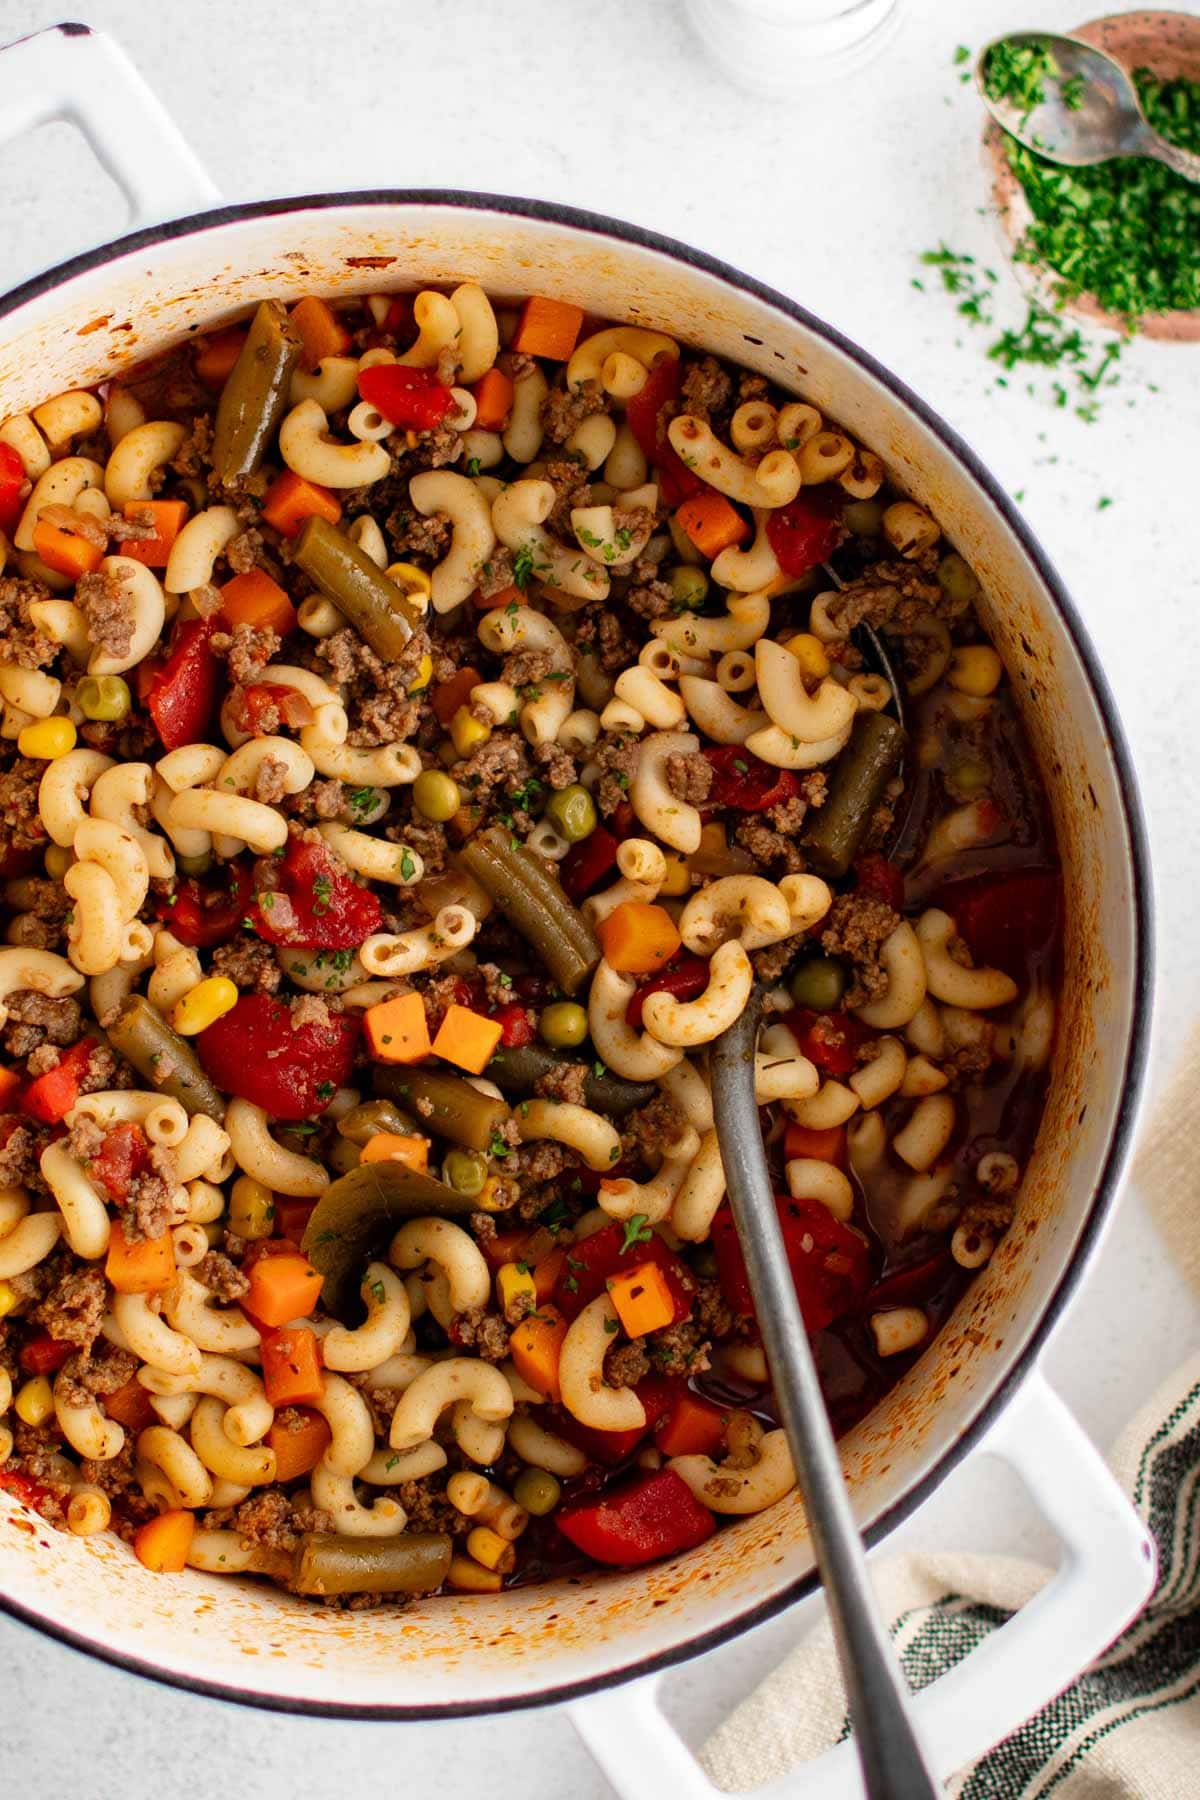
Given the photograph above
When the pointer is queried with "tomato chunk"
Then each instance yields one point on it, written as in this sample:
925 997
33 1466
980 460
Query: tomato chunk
413 399
1007 920
309 902
830 1040
807 531
829 1261
589 1264
745 781
123 1155
183 696
657 1394
685 980
587 863
51 1096
254 1051
12 489
203 914
649 413
881 879
649 1517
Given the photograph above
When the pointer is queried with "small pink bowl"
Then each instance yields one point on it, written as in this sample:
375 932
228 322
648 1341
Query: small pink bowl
1168 43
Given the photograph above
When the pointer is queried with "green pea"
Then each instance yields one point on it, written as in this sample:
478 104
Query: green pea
689 587
572 811
957 579
564 1025
465 1171
818 983
537 1491
863 517
436 795
104 697
196 865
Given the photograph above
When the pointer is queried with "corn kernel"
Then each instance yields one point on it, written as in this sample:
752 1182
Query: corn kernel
423 677
467 732
204 1004
975 669
514 1283
490 1198
417 584
679 876
470 1577
251 1208
8 1299
809 652
57 860
35 1401
490 1549
47 740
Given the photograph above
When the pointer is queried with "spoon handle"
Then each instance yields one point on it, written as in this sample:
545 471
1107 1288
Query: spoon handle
1184 162
892 1763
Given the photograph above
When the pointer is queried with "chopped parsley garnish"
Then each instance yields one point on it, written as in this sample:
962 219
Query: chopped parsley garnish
322 891
360 801
637 1231
498 1148
522 568
408 867
473 466
325 1090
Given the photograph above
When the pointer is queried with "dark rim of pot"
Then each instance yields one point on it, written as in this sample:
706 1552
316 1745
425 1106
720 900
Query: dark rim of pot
550 213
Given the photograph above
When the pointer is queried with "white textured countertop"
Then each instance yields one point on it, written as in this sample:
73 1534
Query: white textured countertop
609 105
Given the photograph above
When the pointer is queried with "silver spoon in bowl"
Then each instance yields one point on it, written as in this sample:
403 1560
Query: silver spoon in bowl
1098 116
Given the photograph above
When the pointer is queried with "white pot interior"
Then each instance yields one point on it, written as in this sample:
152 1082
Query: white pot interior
471 1651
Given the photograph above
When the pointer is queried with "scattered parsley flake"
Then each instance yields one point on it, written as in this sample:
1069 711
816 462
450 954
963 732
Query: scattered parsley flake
637 1231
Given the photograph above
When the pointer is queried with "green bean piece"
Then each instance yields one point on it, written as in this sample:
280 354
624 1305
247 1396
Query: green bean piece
255 396
343 1155
861 773
572 812
356 1215
535 904
436 795
466 1171
564 1025
957 579
457 1110
166 1061
537 1491
415 1563
689 587
375 606
818 983
104 697
369 1117
518 1071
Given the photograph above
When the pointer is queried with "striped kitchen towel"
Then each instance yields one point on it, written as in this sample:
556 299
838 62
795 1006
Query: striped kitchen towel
1129 1729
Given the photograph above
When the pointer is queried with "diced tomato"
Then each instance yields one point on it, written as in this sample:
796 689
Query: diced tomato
264 699
652 1516
1007 920
184 695
292 1215
399 322
830 1262
43 1354
807 531
123 1155
312 903
649 413
590 1263
506 1246
624 821
657 1394
745 781
820 1146
587 863
202 915
909 1287
413 399
254 1051
687 978
516 1027
830 1040
51 1096
691 1426
12 489
881 879
130 1406
31 1493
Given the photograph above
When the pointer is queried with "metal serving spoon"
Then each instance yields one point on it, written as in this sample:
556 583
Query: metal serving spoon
1107 121
884 1735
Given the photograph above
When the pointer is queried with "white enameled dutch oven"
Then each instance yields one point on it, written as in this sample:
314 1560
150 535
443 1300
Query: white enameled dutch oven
601 1643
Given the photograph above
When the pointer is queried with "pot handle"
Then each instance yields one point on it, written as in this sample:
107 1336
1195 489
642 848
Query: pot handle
72 72
1103 1579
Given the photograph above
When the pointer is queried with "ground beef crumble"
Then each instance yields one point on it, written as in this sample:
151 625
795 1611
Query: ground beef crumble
248 963
567 1083
616 757
856 927
221 1276
107 606
689 778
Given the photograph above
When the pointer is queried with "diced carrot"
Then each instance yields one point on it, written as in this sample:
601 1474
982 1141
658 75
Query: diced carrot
216 355
692 1427
547 328
638 938
292 1215
291 1366
397 1030
282 1287
162 1544
507 596
535 1347
321 332
493 400
10 1083
254 599
291 499
66 552
642 1298
130 1406
167 517
712 523
506 1246
546 1274
395 1146
139 1268
299 1438
467 1039
446 697
828 1145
